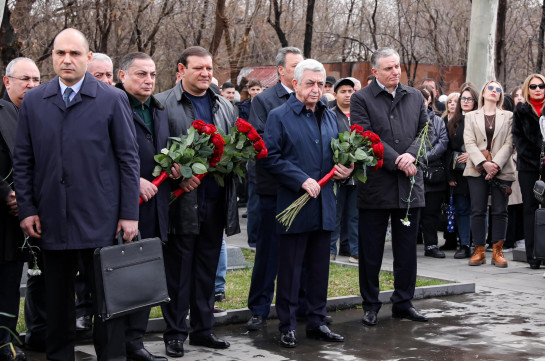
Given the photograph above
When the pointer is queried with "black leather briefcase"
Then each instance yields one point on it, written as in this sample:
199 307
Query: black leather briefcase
130 276
539 234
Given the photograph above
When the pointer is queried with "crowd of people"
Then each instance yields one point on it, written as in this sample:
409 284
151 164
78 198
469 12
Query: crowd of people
78 152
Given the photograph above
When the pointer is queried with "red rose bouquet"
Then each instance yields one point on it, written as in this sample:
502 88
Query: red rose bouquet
195 152
363 148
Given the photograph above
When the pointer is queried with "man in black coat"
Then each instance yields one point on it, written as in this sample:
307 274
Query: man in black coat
266 261
396 113
21 75
76 171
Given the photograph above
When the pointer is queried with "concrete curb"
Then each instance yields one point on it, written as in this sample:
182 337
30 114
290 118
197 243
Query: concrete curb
242 315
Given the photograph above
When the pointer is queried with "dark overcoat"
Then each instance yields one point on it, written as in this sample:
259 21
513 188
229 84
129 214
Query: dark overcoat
527 137
300 149
11 236
398 122
77 168
153 216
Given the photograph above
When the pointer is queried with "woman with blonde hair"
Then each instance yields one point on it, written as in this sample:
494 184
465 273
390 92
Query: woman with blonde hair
489 170
528 141
452 101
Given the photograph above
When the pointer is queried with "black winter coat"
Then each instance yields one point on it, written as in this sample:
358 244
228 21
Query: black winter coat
527 137
456 143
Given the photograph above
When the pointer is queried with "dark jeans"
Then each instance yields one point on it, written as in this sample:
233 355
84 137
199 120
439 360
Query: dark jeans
431 216
347 213
527 180
479 189
372 233
312 250
462 218
254 217
10 276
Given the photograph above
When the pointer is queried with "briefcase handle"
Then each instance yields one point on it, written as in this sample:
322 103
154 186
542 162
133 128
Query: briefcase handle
120 237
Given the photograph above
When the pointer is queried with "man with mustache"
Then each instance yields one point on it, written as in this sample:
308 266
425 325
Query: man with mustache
198 217
76 171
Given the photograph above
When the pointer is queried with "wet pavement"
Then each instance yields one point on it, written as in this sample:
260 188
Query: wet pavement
503 320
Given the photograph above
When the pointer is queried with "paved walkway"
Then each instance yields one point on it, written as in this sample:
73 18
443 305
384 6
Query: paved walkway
503 320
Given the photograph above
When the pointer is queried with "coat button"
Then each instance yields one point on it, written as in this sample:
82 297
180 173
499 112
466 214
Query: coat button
317 141
308 115
391 117
148 136
397 141
62 180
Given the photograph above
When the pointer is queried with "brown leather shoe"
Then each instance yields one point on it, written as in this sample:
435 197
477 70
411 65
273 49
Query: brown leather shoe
478 258
497 256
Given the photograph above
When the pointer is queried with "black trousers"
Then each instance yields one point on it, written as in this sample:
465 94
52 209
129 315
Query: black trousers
10 276
308 251
527 180
60 269
35 308
190 265
431 216
373 224
84 298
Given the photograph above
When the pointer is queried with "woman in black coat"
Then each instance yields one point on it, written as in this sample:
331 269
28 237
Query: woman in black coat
455 178
528 140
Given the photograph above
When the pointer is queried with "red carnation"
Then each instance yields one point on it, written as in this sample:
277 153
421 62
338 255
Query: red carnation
262 154
378 149
198 124
357 128
243 126
259 145
253 136
379 164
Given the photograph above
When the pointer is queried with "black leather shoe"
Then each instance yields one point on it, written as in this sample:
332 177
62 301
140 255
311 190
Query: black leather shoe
369 318
288 339
410 314
534 263
256 323
209 340
324 333
144 355
434 252
462 252
175 348
84 323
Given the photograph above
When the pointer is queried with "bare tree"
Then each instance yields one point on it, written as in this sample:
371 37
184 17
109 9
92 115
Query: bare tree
309 25
277 13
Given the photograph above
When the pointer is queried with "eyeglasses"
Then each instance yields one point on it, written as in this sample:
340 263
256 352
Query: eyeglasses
464 99
535 86
26 78
491 88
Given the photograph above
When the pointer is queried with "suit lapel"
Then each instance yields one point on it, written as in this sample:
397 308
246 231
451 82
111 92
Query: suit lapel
500 120
480 120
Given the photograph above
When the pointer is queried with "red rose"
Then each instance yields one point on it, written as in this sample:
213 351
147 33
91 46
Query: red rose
262 154
259 145
218 141
253 136
198 124
357 128
243 126
378 149
374 138
209 129
379 164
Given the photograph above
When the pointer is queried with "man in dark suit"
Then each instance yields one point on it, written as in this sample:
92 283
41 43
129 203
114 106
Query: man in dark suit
21 75
396 113
76 171
198 217
298 136
266 261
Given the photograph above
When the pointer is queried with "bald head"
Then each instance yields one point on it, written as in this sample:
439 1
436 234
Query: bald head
71 56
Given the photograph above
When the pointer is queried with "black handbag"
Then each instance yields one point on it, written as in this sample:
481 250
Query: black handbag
455 165
434 175
539 234
129 276
539 186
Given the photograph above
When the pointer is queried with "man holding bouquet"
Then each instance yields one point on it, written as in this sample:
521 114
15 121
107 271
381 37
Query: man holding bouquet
298 136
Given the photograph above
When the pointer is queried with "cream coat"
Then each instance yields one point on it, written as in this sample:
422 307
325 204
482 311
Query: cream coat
502 143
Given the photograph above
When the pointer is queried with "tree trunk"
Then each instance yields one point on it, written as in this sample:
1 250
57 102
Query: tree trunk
539 63
276 24
500 42
10 48
309 25
219 28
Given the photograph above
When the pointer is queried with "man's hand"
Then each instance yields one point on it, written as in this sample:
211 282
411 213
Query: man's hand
191 184
11 201
129 227
342 172
147 189
176 174
28 224
404 161
311 187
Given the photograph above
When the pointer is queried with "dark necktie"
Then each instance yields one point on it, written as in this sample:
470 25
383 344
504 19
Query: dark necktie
66 96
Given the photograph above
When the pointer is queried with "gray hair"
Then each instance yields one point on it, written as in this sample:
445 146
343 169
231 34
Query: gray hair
354 80
281 56
102 57
308 64
128 59
11 65
382 53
